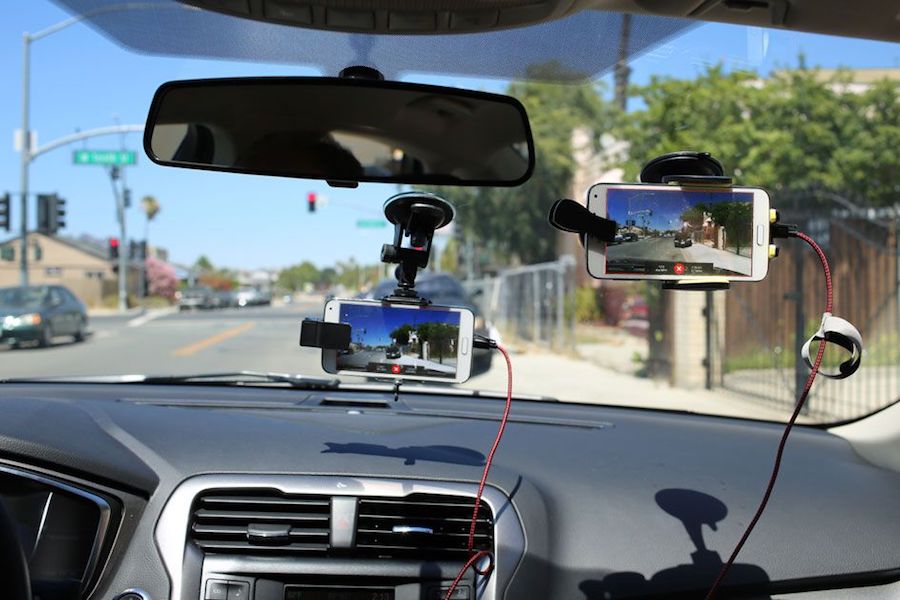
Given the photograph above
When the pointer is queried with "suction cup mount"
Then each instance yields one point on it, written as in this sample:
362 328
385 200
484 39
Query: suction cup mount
415 215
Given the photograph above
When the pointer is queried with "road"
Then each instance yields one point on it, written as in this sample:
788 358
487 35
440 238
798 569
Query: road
267 339
361 360
664 250
263 338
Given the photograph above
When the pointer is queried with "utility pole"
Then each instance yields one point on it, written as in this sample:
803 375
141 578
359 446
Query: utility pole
26 153
25 157
622 71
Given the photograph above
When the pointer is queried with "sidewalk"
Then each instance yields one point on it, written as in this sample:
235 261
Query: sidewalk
546 374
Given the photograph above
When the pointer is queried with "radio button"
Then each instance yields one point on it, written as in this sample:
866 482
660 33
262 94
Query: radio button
216 589
238 590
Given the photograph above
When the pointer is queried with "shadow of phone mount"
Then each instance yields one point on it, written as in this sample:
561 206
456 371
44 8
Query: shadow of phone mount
676 168
415 215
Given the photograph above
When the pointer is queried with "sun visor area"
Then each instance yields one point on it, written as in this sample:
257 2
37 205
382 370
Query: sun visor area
575 48
393 16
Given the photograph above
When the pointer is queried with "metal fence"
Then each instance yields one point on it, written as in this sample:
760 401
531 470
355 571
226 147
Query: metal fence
768 322
529 304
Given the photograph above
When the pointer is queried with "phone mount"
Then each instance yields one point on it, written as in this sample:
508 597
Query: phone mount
677 168
415 215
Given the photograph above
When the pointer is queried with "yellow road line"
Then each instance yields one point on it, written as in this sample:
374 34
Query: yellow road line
196 347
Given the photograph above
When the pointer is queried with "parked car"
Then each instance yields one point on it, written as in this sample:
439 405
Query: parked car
196 298
629 237
40 313
683 240
224 299
445 290
253 297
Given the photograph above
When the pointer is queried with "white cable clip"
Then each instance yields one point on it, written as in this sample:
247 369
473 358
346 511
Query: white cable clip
836 330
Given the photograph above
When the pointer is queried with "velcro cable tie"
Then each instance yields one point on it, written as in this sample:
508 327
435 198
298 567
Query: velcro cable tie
840 332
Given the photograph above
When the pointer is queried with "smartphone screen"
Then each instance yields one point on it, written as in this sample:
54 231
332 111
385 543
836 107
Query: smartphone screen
672 232
405 341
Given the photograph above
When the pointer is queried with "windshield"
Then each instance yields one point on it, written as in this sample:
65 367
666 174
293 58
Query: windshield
18 297
219 269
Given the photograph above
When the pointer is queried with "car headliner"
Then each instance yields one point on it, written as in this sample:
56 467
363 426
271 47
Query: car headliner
575 48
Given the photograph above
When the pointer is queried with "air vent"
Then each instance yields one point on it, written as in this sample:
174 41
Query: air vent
421 527
261 522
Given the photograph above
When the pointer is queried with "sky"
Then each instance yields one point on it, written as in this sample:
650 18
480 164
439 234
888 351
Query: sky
81 80
664 209
378 322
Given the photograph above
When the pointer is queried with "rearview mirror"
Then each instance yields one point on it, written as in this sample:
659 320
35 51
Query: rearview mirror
342 130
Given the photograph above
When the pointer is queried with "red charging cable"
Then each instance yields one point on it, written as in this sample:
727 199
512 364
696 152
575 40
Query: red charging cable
474 558
790 424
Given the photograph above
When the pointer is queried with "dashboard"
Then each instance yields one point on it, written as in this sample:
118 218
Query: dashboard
243 493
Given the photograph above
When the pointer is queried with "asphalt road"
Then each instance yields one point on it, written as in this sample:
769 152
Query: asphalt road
664 249
263 338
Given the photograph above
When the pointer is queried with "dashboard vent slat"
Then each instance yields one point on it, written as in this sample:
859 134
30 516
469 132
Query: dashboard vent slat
382 521
224 521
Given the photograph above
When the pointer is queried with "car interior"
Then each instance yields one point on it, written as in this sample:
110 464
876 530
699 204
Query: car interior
258 485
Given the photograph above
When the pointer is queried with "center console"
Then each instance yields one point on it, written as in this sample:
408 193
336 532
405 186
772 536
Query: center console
292 537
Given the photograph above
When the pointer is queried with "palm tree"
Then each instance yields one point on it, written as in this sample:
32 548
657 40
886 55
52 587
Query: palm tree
151 208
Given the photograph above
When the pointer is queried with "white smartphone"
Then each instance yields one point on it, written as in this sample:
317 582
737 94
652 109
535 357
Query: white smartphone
675 233
400 341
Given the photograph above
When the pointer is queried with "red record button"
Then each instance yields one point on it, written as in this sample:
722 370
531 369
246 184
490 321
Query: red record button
395 369
678 268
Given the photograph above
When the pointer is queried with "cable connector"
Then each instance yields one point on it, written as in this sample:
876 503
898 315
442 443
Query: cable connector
782 230
778 229
483 341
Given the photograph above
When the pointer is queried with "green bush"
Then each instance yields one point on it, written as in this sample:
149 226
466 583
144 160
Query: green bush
584 303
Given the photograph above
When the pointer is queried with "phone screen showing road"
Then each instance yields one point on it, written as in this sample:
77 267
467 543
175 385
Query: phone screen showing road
680 232
415 342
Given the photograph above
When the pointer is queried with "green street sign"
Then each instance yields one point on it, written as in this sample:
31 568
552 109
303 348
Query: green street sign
114 158
371 223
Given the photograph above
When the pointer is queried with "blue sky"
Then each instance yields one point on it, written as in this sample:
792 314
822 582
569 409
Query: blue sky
665 210
378 322
80 80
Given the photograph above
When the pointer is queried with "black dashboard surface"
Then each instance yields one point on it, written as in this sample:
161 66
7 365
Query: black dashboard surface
614 502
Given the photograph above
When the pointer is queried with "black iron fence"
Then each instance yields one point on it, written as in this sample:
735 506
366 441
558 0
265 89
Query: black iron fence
767 322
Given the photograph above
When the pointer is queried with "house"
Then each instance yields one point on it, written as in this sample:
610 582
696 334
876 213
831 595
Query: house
81 265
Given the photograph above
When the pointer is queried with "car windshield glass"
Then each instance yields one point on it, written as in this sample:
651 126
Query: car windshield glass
17 297
184 271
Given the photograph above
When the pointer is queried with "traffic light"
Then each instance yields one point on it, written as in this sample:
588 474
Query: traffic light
4 212
58 216
311 199
113 248
126 197
43 213
137 250
51 213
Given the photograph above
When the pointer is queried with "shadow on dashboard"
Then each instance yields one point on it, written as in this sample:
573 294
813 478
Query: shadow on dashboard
456 455
694 509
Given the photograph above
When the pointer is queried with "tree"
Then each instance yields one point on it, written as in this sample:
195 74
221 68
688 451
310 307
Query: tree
509 225
796 130
296 277
161 278
401 335
737 219
150 207
203 263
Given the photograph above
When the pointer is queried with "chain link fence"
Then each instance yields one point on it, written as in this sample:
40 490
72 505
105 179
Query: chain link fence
529 304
